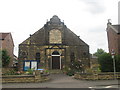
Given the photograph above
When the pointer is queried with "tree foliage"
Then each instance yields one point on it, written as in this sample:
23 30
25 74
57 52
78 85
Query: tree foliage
117 63
106 62
74 66
99 52
77 66
5 58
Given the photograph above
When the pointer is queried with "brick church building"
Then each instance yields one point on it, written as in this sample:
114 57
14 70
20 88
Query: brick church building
113 34
54 46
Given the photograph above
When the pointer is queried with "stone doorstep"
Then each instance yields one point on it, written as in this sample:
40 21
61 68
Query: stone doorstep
57 71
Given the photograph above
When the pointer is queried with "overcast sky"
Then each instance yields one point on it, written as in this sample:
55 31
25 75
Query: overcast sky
86 18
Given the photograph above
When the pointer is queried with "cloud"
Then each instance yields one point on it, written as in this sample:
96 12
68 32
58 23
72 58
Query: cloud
94 6
98 29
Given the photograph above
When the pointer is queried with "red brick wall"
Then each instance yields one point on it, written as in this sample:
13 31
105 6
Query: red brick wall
113 41
119 43
8 44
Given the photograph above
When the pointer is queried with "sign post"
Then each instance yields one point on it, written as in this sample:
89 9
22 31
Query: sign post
113 57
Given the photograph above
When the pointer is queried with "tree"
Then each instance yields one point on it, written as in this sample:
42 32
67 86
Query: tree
117 63
99 52
5 58
106 62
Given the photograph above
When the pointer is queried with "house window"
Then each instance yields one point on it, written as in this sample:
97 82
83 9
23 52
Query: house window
84 54
37 56
72 57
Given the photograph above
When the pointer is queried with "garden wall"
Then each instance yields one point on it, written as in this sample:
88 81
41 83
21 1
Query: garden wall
18 78
24 78
100 76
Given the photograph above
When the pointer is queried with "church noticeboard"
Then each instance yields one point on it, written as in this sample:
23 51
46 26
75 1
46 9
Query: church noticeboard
27 65
55 37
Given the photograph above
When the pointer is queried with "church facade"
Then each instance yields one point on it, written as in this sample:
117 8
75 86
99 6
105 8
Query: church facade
54 46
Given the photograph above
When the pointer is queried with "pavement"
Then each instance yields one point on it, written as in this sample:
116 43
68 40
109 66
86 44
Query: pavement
64 81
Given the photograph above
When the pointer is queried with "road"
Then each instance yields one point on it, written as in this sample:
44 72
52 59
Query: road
64 81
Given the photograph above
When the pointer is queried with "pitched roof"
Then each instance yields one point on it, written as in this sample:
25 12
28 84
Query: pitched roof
116 28
41 36
3 35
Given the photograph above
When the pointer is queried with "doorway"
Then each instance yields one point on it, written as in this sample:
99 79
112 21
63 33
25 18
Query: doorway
56 60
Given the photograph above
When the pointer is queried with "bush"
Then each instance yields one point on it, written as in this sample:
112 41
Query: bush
77 66
117 63
29 71
13 72
71 72
46 71
5 58
106 62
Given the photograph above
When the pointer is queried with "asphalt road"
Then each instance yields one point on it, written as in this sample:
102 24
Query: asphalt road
64 81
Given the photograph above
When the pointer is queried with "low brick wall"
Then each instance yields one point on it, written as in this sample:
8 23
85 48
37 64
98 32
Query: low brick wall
24 78
100 76
18 78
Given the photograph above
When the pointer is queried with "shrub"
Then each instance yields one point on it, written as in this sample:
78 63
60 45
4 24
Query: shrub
12 72
77 66
5 58
106 62
71 72
29 71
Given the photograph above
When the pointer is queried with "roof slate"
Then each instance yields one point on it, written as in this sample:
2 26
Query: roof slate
3 35
117 27
54 23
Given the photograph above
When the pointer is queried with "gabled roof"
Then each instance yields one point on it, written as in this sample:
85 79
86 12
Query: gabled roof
41 36
116 28
3 35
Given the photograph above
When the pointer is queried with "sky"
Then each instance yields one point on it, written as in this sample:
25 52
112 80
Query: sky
86 18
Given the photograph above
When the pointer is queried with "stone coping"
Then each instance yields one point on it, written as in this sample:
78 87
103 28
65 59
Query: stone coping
14 76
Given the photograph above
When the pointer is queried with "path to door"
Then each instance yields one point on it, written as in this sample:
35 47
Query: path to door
64 81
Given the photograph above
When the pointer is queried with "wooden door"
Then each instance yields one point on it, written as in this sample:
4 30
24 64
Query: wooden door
55 62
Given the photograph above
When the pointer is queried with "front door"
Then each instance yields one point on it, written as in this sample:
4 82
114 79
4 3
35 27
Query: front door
55 62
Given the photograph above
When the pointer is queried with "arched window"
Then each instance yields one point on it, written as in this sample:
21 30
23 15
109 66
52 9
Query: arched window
55 53
24 54
37 56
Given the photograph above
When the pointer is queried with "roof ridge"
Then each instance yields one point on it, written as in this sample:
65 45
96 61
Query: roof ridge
111 26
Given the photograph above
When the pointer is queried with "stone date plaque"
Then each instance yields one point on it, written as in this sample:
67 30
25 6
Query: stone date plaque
55 37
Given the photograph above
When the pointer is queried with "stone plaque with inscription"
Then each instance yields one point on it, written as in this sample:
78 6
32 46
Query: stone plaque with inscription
55 37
